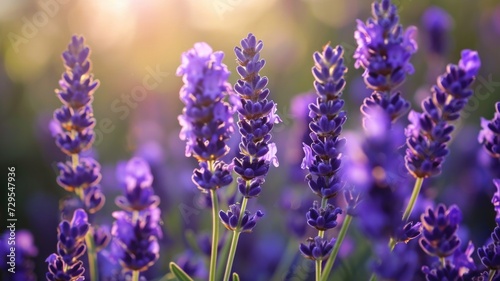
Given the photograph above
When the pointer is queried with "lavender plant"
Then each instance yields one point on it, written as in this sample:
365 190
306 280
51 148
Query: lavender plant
137 227
207 124
429 131
323 157
384 51
257 116
73 130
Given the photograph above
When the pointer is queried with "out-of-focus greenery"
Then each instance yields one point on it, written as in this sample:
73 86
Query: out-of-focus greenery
129 38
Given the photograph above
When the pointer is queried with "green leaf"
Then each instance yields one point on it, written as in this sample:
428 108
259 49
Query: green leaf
179 273
236 277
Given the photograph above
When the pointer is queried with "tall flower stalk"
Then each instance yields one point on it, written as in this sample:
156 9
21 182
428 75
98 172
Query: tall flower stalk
257 116
73 130
137 227
207 123
323 156
384 52
430 131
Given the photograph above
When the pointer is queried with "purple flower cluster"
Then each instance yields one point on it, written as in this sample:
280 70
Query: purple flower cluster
437 23
429 132
257 116
65 264
490 133
384 51
439 236
19 264
136 229
323 157
73 127
206 119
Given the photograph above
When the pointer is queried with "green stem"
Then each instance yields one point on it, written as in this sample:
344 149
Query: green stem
286 261
318 270
392 244
92 255
234 241
222 260
413 198
492 274
336 248
215 234
373 277
135 275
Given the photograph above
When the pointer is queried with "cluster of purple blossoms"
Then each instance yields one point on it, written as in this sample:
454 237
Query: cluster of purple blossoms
437 23
384 51
206 119
323 157
21 260
429 132
257 116
490 133
73 127
439 236
66 264
136 229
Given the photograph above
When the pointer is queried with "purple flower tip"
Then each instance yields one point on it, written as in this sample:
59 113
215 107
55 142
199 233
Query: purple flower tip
470 62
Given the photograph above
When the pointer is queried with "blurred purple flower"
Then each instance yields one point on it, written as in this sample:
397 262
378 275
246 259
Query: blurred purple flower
437 24
489 135
137 228
399 264
25 252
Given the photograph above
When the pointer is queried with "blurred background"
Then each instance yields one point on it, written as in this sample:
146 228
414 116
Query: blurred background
136 48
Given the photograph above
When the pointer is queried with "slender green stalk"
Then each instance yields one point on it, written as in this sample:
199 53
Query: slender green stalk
336 248
318 270
373 277
413 198
234 242
215 234
492 274
222 260
392 244
135 275
285 261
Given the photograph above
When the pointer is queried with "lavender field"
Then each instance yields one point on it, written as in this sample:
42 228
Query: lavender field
250 140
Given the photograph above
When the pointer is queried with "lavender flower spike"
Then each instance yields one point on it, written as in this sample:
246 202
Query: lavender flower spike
73 125
323 156
429 132
65 265
490 133
137 228
207 124
384 51
257 116
206 119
